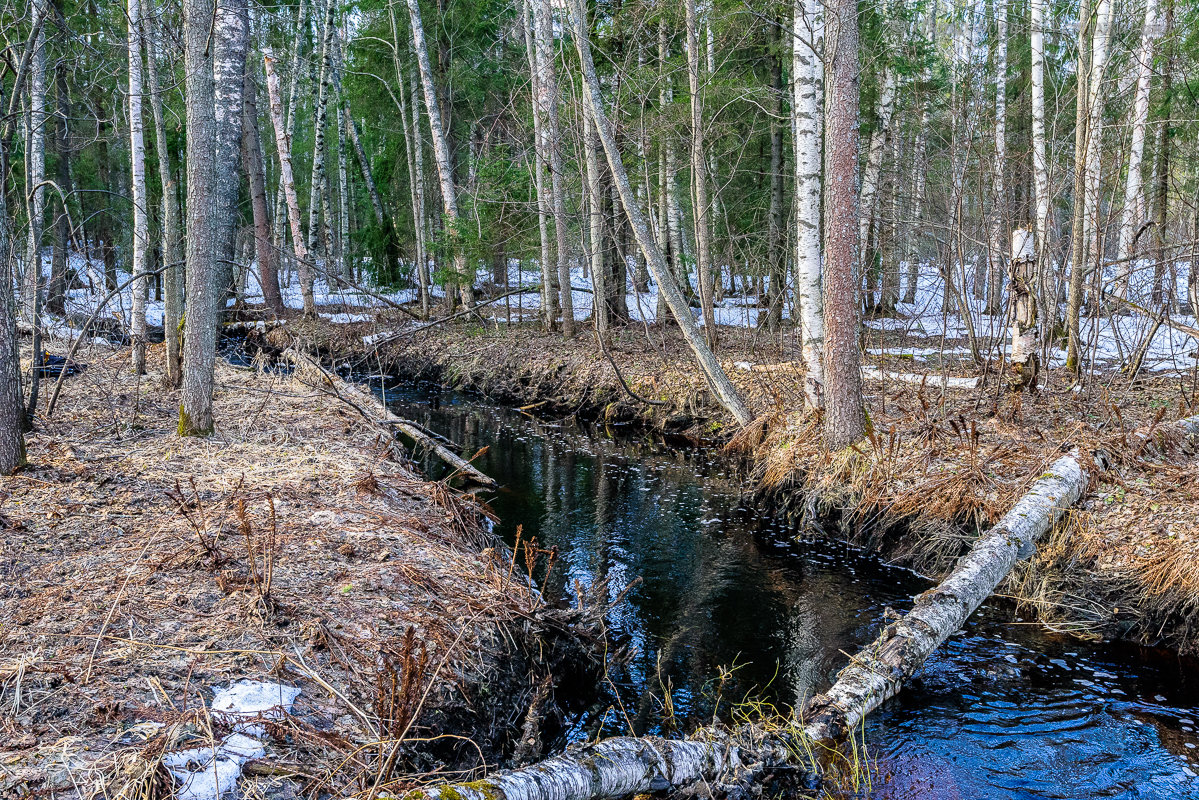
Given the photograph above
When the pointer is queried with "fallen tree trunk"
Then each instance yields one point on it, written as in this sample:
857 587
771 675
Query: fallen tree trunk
373 410
626 766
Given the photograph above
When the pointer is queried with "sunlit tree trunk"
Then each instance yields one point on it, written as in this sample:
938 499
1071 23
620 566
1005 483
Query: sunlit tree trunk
1129 218
441 154
549 299
255 169
296 74
1078 248
726 394
199 341
288 181
1024 360
172 240
137 153
807 71
547 91
699 178
844 420
35 192
776 237
1040 160
879 138
316 185
1090 200
596 227
999 200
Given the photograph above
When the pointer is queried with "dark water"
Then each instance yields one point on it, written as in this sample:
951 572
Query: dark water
731 610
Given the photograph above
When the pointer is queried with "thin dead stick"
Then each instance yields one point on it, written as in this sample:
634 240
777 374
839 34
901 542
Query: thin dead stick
409 332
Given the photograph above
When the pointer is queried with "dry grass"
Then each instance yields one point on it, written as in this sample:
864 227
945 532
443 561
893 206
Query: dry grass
140 570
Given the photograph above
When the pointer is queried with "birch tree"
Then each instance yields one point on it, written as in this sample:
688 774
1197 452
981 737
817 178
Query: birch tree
879 139
547 95
288 181
172 241
229 42
549 300
726 394
316 185
137 152
1040 160
806 71
999 203
699 180
1129 217
255 169
1091 176
441 155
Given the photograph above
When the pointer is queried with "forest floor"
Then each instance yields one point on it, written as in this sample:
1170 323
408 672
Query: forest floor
940 463
141 572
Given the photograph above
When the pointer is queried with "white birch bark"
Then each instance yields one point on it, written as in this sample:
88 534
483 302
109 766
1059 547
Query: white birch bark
879 138
726 394
878 672
549 300
172 276
1040 160
35 148
1129 218
699 179
230 39
343 192
596 227
1095 104
1025 364
999 202
137 159
281 209
441 153
806 71
547 91
316 185
288 181
422 217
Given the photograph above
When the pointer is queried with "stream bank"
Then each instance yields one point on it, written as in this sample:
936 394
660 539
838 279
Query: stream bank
141 572
940 464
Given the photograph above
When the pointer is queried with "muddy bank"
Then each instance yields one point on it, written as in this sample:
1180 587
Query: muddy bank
940 464
143 571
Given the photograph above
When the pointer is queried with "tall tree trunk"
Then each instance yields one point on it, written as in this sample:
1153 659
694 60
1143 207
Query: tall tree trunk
288 181
1086 19
343 188
776 237
699 179
12 416
1040 158
35 150
137 152
1091 176
806 77
726 394
879 138
1136 151
199 341
229 70
1162 200
172 240
316 185
595 203
252 160
549 299
441 154
547 86
57 291
844 421
999 201
296 73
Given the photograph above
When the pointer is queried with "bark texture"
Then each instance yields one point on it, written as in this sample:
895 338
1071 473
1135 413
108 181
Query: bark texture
805 108
141 226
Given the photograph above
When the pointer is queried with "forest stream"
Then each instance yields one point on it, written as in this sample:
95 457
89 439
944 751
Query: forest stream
733 609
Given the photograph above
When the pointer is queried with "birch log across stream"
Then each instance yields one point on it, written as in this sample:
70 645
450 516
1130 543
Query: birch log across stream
628 765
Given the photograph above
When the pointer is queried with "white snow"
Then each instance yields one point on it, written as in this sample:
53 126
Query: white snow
210 773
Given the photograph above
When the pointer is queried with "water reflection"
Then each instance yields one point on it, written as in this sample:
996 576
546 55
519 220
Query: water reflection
731 607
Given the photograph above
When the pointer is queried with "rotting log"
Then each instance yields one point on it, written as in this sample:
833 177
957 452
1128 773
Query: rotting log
376 412
627 766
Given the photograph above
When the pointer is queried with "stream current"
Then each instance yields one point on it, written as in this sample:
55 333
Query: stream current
732 609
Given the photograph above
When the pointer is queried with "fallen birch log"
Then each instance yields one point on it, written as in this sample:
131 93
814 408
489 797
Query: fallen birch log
372 409
624 766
